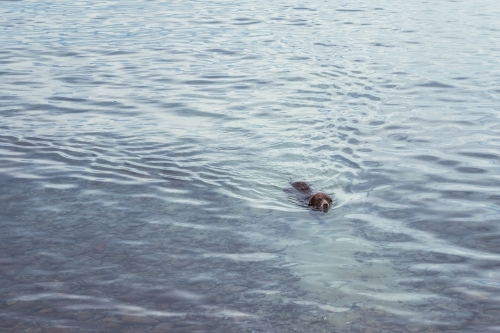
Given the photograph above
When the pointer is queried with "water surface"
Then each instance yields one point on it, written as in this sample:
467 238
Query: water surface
145 148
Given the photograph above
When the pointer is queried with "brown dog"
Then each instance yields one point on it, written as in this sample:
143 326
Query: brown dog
318 200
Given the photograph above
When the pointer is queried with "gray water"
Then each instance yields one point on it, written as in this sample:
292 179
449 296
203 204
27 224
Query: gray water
146 150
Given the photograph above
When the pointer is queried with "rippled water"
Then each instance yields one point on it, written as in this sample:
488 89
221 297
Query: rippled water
146 150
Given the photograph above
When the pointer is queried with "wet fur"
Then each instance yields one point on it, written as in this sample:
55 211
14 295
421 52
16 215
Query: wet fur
318 200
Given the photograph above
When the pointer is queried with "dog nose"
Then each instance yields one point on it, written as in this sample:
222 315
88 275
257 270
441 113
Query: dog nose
326 205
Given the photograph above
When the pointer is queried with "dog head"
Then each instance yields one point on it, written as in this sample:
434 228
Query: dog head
320 201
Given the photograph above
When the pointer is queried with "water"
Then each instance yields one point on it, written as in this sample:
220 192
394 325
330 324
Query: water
145 148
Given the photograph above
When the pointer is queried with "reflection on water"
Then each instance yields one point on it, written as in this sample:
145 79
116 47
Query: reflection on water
145 147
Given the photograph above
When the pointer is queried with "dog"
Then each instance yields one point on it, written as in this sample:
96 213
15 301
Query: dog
318 200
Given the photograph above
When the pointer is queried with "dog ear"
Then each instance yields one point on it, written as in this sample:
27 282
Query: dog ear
311 201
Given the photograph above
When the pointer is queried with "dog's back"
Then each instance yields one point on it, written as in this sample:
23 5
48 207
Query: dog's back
302 187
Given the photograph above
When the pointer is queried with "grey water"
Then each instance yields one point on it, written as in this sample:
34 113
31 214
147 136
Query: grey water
146 151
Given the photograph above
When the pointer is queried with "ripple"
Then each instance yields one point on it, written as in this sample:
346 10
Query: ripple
145 149
434 85
470 170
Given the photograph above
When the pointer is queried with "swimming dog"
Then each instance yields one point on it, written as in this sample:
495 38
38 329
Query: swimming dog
318 200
